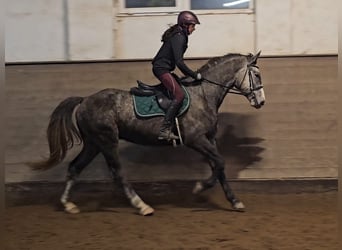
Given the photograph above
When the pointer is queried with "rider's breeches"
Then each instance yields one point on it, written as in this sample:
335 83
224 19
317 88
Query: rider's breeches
172 85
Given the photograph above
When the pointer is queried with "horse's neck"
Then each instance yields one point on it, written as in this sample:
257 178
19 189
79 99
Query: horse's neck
215 94
218 74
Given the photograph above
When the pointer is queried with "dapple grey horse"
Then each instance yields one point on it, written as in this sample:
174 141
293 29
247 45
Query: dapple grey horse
102 119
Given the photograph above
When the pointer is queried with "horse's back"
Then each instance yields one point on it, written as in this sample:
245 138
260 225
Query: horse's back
113 109
103 105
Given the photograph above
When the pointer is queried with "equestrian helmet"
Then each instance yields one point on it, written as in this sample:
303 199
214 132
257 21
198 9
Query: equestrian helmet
186 18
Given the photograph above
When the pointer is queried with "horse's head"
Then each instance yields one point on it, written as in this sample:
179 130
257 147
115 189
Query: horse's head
248 82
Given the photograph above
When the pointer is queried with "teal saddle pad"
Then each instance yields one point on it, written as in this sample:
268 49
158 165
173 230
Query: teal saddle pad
147 106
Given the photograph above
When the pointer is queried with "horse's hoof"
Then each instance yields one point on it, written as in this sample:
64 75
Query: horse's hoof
71 208
198 188
239 206
147 211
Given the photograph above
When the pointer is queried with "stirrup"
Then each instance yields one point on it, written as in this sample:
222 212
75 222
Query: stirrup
167 135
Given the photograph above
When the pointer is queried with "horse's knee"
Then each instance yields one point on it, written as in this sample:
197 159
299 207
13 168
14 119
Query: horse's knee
220 164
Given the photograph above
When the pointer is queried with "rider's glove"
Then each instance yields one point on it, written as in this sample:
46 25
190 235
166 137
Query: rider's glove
198 76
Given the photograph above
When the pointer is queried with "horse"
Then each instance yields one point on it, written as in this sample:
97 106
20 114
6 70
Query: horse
99 121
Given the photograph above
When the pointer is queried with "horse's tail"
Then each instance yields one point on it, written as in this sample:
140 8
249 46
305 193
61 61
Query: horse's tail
61 133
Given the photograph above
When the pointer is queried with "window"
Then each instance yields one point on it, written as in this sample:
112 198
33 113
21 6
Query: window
149 6
219 4
149 3
146 7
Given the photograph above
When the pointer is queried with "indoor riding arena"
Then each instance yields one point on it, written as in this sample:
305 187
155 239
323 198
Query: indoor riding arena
280 160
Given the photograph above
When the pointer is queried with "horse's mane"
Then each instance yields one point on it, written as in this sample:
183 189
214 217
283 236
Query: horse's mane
220 59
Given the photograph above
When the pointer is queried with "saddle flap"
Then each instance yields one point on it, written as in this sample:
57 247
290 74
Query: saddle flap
155 104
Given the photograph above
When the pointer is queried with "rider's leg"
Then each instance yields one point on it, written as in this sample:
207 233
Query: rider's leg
166 127
178 95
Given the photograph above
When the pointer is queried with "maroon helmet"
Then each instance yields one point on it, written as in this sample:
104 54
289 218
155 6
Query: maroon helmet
187 17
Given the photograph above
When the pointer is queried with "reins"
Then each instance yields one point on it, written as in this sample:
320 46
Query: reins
230 90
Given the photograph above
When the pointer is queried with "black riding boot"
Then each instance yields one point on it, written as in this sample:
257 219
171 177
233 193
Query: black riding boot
166 128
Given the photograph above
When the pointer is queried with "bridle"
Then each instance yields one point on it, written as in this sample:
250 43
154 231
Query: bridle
234 89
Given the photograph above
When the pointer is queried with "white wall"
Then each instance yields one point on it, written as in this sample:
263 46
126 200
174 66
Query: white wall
59 30
34 31
90 29
297 27
223 33
139 36
66 30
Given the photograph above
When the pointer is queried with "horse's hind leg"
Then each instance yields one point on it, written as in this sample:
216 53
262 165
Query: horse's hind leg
76 166
114 165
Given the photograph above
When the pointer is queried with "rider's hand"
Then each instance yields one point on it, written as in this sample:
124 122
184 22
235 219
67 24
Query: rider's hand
198 76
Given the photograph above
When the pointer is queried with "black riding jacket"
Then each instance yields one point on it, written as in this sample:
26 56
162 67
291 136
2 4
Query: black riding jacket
171 55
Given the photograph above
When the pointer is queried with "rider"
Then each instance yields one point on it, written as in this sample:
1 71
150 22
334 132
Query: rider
170 55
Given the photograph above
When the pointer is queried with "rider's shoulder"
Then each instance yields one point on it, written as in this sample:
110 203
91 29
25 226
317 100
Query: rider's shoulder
179 35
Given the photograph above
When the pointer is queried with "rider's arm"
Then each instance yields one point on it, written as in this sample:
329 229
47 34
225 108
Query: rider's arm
178 43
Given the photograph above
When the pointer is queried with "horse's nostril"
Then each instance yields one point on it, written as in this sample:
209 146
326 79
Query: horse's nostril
262 103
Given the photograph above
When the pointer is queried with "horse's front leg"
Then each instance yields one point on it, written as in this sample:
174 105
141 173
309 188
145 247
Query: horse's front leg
203 185
210 151
236 203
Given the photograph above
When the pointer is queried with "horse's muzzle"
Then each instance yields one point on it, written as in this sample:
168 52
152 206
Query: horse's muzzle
257 98
259 105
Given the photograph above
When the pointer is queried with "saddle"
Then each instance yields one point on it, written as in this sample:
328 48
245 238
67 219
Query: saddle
154 100
161 94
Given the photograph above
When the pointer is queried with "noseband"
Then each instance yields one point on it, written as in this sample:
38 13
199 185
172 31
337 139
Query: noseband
250 95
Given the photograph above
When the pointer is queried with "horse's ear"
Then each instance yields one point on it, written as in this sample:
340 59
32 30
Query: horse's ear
254 58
